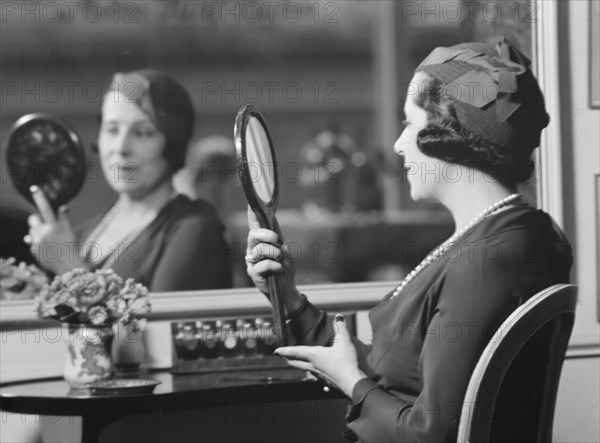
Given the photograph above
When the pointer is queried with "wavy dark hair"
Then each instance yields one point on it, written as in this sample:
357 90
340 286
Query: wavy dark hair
446 139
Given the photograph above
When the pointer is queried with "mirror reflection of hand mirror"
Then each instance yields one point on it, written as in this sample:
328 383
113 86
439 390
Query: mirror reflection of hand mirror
44 151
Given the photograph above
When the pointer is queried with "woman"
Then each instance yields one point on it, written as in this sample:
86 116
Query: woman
162 239
478 112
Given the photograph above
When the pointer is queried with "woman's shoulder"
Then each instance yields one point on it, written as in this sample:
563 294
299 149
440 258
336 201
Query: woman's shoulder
182 216
183 208
528 233
521 220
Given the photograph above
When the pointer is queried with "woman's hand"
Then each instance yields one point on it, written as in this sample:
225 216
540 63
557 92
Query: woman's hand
50 236
267 255
337 364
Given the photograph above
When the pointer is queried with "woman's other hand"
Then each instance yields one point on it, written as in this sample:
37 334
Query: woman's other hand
267 255
51 237
337 364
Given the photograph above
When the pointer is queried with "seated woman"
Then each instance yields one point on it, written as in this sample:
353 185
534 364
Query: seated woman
162 239
478 112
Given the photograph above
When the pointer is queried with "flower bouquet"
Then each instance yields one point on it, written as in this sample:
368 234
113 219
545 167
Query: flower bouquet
96 298
20 281
90 304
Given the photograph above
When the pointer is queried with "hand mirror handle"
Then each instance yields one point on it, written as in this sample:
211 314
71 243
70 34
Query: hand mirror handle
257 168
44 151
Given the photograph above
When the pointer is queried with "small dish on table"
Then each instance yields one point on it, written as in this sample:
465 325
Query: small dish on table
130 386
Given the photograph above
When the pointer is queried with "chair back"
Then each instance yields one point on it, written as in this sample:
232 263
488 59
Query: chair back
512 392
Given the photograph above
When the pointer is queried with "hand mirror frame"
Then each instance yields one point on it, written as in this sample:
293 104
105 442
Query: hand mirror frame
264 210
25 153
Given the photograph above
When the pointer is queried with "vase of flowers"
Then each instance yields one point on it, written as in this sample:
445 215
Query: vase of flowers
89 304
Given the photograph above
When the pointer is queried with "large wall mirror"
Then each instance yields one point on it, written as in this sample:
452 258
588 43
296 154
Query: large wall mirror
329 76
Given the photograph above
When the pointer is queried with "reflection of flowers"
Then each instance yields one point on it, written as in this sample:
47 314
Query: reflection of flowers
22 281
99 298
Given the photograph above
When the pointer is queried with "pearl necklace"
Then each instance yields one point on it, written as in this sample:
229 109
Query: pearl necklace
443 248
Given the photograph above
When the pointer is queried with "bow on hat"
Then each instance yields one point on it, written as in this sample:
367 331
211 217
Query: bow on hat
473 87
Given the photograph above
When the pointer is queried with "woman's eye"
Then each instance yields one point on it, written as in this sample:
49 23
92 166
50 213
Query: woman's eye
111 130
144 132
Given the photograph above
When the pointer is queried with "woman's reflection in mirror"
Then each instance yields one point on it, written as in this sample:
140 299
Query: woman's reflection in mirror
161 238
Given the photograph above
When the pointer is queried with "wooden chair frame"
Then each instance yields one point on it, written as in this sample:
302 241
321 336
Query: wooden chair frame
548 316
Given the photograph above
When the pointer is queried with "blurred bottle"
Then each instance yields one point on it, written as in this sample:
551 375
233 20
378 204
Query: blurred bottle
248 337
337 176
211 340
128 349
229 338
267 342
187 340
324 167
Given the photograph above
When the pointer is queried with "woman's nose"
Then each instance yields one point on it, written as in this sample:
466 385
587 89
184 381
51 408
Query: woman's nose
398 146
122 144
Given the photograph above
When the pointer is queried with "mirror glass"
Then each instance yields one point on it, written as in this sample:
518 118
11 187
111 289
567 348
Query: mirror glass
330 76
260 161
44 151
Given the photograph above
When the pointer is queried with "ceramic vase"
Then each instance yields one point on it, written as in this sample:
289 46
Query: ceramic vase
88 354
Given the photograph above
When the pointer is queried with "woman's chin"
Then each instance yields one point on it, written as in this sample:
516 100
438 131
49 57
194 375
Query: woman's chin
121 188
416 195
419 195
137 191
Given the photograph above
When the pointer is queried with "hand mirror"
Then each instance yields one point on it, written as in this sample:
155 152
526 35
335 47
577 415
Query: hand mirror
44 151
258 173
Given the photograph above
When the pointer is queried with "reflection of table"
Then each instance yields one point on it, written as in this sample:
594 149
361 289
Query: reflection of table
176 394
350 247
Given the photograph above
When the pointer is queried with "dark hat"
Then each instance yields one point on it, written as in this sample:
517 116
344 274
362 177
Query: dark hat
166 102
494 92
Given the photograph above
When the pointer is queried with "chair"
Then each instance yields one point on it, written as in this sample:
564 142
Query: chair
512 392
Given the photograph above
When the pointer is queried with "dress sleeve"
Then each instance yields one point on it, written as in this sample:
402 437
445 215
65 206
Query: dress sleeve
311 326
474 299
195 257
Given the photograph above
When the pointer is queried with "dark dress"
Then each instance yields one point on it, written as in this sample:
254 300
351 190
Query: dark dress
183 248
14 227
428 339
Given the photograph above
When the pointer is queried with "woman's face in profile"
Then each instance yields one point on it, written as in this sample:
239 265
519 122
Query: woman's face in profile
423 172
131 148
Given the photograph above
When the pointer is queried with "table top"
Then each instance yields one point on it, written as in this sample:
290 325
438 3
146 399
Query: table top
175 392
